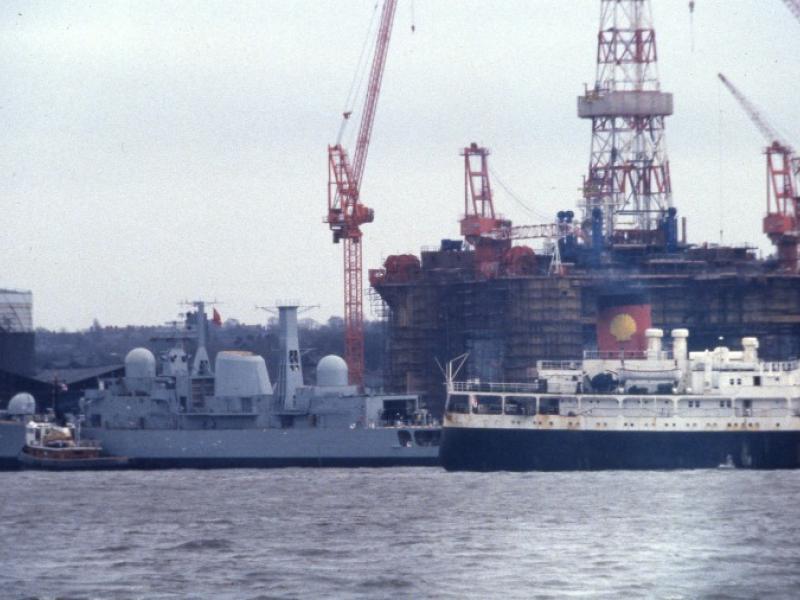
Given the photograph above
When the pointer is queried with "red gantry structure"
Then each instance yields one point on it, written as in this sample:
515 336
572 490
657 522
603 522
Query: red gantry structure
346 213
489 233
783 166
628 178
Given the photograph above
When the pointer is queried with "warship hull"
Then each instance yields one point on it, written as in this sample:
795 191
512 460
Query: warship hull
497 449
12 439
266 448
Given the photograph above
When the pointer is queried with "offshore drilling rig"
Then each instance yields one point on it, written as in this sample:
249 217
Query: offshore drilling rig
602 276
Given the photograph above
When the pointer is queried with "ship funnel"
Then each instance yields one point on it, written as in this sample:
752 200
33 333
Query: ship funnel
241 374
750 346
653 336
290 374
680 344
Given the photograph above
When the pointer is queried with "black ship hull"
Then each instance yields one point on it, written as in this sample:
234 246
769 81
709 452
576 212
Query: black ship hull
484 449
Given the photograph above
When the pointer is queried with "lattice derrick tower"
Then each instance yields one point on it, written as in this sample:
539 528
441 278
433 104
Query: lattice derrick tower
628 177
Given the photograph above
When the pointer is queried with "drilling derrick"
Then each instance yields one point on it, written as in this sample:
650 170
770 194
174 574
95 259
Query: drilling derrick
346 213
783 167
628 176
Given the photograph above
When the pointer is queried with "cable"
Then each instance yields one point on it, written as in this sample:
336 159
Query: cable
516 199
358 77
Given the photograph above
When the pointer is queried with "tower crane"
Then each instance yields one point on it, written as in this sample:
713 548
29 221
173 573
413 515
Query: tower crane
346 213
783 166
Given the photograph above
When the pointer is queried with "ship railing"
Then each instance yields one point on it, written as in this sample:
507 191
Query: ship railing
627 355
560 365
782 366
762 412
508 388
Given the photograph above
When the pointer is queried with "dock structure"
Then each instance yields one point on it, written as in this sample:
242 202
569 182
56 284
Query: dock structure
17 349
598 277
508 323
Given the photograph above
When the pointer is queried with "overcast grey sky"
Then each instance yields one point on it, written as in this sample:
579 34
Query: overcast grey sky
158 151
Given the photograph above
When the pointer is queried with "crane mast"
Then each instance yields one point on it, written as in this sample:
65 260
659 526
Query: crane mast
346 213
783 166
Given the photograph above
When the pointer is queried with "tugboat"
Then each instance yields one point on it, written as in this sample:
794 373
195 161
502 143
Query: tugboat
56 448
653 409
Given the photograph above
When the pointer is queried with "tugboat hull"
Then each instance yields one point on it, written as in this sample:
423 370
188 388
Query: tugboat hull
60 463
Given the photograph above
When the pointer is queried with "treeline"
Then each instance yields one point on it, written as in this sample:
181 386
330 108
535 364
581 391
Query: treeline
103 345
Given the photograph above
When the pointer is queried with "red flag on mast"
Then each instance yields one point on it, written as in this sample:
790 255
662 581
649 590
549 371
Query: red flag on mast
216 318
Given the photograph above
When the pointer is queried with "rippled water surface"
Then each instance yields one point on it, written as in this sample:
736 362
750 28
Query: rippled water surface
400 533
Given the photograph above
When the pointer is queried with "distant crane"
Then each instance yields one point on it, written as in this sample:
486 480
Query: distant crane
346 213
489 233
794 6
783 166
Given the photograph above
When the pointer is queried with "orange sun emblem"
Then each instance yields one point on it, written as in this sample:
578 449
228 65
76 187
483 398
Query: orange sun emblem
622 327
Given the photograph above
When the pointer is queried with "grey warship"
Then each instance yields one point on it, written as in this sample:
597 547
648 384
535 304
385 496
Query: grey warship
20 411
186 414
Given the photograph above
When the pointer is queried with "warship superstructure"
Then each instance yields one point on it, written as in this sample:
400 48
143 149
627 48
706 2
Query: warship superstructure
654 409
187 414
20 411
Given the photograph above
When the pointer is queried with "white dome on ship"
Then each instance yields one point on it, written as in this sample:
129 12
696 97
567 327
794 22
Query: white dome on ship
241 374
22 404
332 371
140 363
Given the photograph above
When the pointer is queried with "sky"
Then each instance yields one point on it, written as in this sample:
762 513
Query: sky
156 152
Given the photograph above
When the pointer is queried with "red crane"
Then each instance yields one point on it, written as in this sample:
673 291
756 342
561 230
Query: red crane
346 213
783 166
489 233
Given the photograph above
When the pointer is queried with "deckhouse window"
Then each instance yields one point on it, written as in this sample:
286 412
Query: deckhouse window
520 405
458 403
488 405
548 406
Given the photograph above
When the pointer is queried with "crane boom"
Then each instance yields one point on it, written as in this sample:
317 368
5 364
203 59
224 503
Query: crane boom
373 90
765 128
346 213
783 217
794 6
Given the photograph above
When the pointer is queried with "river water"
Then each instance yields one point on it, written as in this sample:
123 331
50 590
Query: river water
399 533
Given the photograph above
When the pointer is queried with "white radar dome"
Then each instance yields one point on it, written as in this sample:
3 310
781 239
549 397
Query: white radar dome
140 364
240 374
22 404
332 371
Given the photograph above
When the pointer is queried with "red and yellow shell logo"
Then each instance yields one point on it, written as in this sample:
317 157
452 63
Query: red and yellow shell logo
622 327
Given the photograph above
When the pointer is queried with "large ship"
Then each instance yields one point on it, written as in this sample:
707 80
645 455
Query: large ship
654 409
186 414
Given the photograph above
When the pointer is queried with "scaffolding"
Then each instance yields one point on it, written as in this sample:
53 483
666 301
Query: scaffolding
507 324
